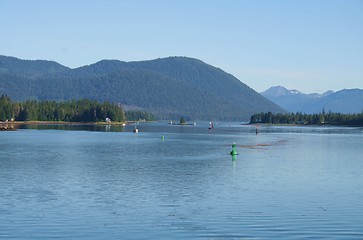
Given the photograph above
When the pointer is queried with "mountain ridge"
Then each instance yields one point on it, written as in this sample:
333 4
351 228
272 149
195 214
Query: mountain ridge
28 68
343 101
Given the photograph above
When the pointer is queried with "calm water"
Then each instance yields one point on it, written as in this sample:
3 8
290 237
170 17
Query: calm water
72 182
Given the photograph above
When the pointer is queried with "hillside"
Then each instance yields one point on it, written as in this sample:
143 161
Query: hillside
28 68
169 87
344 101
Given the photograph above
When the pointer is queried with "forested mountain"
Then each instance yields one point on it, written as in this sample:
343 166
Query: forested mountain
343 101
169 87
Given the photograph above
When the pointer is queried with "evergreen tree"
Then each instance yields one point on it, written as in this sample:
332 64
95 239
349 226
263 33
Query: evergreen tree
6 108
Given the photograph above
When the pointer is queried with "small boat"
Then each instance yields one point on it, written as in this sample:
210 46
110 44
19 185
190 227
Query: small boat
136 130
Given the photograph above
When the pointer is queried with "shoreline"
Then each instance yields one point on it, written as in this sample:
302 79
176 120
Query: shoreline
17 123
302 125
13 124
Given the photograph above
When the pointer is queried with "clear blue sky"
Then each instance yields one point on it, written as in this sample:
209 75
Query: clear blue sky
312 46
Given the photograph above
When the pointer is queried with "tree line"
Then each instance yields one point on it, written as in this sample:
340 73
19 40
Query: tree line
139 115
68 111
309 119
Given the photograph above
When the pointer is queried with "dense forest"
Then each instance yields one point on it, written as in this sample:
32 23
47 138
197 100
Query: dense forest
309 119
168 88
68 111
139 115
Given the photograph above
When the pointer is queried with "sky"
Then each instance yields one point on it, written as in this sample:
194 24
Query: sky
311 46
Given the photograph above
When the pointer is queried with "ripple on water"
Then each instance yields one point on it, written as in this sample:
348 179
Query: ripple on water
115 185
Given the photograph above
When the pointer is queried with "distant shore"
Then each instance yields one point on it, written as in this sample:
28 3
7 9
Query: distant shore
17 123
303 125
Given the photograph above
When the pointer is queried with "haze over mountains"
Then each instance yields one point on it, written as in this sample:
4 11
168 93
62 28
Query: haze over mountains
343 101
169 87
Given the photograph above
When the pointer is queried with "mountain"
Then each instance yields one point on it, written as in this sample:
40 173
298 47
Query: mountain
344 101
278 91
28 68
168 87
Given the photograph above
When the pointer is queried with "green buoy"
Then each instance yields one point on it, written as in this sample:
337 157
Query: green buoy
234 151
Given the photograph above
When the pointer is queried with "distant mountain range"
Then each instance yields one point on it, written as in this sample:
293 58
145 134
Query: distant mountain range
169 87
344 101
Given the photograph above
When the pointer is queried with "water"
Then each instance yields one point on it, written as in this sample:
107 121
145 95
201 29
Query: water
99 182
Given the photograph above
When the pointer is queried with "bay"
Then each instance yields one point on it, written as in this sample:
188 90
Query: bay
179 182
